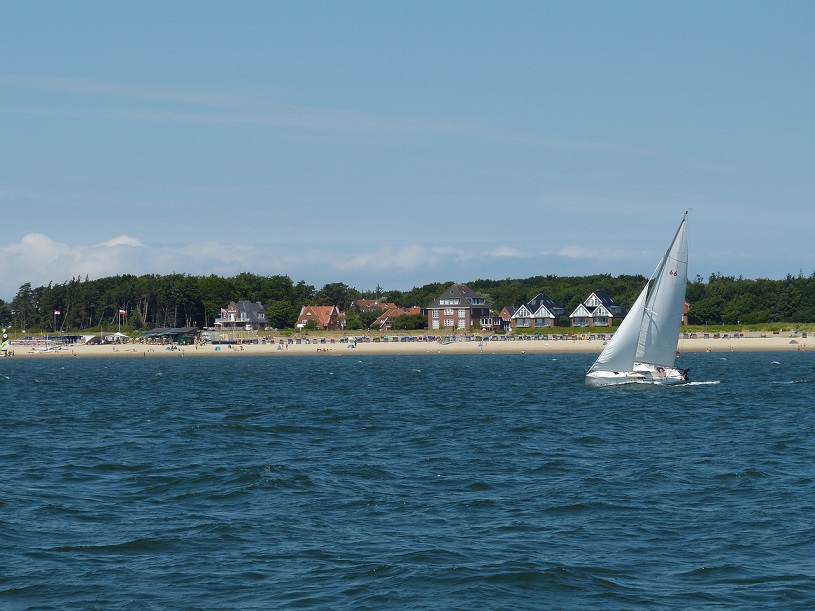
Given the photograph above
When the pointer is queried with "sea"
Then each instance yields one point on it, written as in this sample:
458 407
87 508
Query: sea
347 481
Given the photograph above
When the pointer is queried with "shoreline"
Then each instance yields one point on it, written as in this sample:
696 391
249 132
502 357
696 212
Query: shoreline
775 343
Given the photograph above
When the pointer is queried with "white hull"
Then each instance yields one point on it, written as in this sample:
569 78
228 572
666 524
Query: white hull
642 374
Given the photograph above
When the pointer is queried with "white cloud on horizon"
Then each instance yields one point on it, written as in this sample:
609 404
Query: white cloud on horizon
505 251
40 260
123 240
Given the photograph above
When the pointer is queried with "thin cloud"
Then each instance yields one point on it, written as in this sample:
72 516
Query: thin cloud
408 258
94 88
578 252
212 107
505 251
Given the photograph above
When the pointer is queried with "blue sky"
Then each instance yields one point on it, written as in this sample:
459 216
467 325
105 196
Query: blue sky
396 144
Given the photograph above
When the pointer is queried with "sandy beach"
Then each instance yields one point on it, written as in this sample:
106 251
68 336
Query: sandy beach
769 343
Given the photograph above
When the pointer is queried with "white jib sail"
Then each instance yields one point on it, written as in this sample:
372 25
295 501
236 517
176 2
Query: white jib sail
619 353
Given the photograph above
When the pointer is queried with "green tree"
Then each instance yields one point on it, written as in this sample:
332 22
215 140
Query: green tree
368 317
24 306
706 311
281 315
5 314
353 322
337 294
409 322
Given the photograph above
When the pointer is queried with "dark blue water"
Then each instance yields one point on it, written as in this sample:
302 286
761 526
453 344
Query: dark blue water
412 482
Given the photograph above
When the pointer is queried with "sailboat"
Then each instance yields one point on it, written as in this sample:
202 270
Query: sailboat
644 347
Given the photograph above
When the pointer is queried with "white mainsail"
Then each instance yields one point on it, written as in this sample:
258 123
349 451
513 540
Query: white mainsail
662 320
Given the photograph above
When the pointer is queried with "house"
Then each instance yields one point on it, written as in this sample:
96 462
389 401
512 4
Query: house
369 305
541 311
457 308
161 335
495 322
598 310
385 321
685 312
506 315
242 315
327 318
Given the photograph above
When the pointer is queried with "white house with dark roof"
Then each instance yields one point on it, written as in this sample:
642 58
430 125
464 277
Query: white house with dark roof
598 310
541 311
458 307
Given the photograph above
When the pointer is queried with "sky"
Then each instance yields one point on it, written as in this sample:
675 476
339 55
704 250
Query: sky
395 144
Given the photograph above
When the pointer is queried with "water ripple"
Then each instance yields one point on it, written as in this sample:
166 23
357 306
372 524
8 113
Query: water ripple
435 481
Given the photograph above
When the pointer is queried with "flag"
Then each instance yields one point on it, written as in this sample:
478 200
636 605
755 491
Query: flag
123 312
57 312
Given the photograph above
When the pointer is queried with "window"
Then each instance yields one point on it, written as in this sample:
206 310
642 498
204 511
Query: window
462 313
435 313
449 311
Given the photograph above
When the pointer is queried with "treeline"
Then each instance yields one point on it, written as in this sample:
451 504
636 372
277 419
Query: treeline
720 299
177 300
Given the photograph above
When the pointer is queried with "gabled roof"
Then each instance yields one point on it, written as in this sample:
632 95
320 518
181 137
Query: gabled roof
320 314
249 306
521 312
253 310
542 300
509 311
466 296
614 308
606 307
388 316
601 310
372 304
